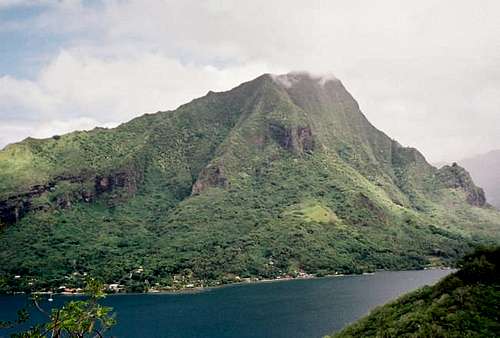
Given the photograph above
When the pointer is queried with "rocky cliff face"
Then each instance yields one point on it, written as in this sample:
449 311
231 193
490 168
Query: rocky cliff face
456 177
210 176
279 169
15 207
485 170
62 192
299 139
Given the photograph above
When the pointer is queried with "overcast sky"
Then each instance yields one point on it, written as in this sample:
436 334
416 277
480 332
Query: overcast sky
425 72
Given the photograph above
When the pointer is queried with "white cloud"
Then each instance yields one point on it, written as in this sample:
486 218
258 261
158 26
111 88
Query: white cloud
81 91
427 73
42 129
10 3
16 3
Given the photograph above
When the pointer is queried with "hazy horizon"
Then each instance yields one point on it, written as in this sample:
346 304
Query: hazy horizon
427 74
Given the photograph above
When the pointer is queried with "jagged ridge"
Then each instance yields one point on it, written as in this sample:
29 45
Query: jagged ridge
277 176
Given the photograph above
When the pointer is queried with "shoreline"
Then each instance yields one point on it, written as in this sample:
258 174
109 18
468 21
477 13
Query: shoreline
200 289
276 280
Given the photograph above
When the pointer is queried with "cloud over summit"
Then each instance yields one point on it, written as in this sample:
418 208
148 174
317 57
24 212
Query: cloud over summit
428 74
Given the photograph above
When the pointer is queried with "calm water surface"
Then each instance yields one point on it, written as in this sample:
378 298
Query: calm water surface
291 309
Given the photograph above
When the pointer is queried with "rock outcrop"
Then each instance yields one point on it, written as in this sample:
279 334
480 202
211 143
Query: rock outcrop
210 176
63 191
299 139
457 177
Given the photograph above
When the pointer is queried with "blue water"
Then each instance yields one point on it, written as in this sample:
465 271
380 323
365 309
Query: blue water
292 309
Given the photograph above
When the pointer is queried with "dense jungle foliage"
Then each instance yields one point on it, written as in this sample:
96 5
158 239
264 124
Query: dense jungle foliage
271 178
464 304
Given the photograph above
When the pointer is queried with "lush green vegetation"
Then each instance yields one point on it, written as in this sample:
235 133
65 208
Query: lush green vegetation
257 182
464 304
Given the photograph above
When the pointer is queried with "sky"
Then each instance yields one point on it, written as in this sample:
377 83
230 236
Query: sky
426 72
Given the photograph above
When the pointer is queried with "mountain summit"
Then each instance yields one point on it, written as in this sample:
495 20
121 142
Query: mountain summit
484 169
282 175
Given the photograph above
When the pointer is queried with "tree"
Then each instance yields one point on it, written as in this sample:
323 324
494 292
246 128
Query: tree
76 319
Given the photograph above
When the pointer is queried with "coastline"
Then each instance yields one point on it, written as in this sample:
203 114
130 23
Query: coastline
200 289
276 280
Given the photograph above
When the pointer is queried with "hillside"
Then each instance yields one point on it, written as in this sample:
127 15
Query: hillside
280 175
485 169
464 304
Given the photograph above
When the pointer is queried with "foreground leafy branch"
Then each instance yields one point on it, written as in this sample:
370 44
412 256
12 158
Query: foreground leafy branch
76 319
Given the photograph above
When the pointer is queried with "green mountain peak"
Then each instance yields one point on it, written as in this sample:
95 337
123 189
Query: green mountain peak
283 169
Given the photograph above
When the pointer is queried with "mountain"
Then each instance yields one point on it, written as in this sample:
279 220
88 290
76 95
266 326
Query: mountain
485 169
281 175
464 304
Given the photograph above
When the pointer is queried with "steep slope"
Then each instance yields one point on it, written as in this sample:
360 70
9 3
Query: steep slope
485 169
279 175
465 304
